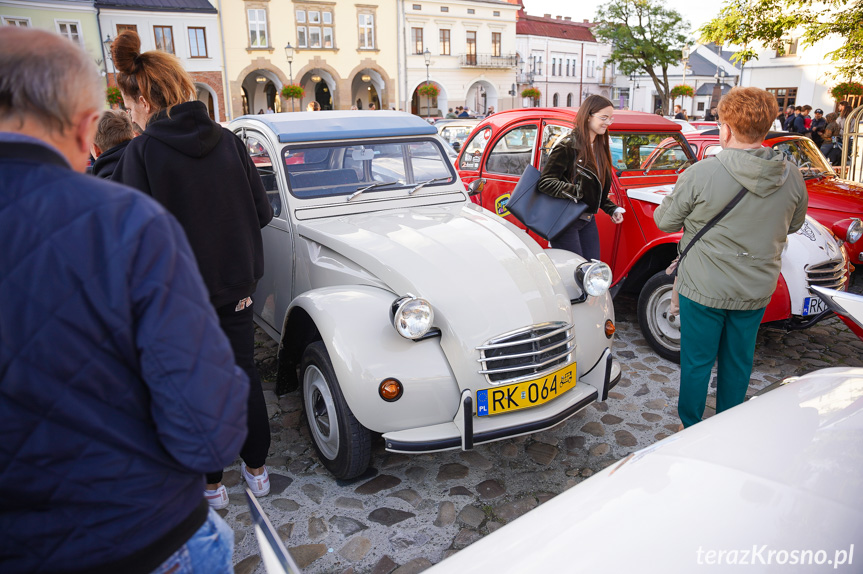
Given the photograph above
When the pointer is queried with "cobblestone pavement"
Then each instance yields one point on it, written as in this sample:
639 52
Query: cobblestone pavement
409 512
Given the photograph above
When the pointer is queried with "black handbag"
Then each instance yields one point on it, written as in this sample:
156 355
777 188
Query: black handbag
543 214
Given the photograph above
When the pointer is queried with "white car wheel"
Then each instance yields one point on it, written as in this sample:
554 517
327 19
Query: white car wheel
661 329
321 412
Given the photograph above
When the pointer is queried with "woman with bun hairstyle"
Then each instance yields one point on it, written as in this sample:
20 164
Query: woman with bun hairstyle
204 176
579 167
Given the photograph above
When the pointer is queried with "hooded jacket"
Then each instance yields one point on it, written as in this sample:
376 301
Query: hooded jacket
106 163
557 179
736 264
203 174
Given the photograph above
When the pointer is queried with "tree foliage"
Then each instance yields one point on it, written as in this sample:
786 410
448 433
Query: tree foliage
751 23
645 36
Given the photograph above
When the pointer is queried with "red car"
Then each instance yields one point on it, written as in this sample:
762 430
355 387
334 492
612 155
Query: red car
835 203
648 153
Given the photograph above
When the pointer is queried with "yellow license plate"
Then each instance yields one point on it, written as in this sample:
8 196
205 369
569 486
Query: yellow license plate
525 395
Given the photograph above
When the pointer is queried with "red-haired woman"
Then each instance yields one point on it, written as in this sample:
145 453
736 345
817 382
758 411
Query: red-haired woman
584 156
204 176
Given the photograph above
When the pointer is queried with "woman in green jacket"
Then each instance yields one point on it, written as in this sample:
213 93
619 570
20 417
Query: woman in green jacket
579 168
729 275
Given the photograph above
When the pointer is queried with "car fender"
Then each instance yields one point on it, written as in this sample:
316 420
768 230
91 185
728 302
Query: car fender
364 347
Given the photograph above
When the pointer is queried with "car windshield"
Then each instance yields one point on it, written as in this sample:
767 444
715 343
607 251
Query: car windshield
658 153
803 153
330 170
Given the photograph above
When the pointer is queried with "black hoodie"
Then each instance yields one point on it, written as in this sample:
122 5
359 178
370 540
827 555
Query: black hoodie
204 176
107 161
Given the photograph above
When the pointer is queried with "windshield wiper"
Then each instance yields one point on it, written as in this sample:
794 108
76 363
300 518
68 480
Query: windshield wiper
372 186
422 184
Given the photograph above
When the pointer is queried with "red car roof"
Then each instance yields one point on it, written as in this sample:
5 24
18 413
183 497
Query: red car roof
623 120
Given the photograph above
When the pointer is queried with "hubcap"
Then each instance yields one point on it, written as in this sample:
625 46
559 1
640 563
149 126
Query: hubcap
321 412
663 326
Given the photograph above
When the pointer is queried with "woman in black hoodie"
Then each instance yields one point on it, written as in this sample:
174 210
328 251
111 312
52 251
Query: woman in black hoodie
204 176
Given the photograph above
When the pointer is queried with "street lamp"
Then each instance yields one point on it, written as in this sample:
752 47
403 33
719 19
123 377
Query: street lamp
106 45
289 54
634 81
427 56
685 53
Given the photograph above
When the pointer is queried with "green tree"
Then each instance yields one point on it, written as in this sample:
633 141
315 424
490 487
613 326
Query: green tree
645 37
753 23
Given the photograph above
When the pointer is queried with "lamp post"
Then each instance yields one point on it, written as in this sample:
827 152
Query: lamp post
427 56
634 81
289 54
685 53
106 43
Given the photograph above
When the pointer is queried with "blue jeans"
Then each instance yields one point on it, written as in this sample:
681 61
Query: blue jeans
581 237
209 550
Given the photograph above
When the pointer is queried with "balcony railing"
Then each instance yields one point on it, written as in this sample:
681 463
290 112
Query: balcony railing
487 61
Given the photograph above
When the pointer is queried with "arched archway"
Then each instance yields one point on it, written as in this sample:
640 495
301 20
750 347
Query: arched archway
320 86
429 107
206 94
569 100
555 100
480 95
260 90
367 87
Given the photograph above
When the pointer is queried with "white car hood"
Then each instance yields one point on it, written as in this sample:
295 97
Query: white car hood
481 277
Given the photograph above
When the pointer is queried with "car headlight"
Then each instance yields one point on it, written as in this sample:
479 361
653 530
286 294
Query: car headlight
594 277
412 317
855 230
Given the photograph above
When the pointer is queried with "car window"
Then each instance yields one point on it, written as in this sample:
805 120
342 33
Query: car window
472 153
803 153
712 150
551 135
513 152
333 170
264 164
650 152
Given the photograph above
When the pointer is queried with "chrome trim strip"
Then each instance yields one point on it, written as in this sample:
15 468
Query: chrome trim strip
525 367
506 343
521 355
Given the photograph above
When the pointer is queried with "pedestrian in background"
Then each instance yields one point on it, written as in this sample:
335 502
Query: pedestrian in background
203 174
790 120
113 134
830 147
816 128
729 275
450 115
579 167
118 390
314 106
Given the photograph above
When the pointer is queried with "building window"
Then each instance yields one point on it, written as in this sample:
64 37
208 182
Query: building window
560 67
417 7
444 8
20 22
164 38
784 96
496 13
495 43
417 39
318 29
367 31
470 60
471 11
700 106
123 27
444 43
591 68
555 100
553 64
789 48
198 42
569 100
567 66
71 30
258 29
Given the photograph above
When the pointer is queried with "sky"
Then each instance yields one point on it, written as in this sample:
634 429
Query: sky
586 9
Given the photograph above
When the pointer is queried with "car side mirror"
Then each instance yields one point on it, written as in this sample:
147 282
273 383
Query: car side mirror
475 187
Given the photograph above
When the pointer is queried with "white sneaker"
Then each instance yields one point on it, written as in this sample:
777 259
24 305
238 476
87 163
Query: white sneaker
218 499
259 485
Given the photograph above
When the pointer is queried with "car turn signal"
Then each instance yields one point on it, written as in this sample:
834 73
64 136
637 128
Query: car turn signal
390 390
609 328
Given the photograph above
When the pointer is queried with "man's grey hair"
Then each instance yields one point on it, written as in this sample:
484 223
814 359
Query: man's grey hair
46 78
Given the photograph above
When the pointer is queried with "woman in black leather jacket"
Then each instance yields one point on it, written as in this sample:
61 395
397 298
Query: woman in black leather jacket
580 167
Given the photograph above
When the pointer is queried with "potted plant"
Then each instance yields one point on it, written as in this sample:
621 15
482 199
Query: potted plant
428 90
845 89
682 91
293 91
113 96
533 93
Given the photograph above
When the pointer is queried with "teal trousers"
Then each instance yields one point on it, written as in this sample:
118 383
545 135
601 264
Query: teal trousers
708 335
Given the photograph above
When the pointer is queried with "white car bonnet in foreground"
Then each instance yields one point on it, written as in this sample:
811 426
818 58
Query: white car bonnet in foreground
775 484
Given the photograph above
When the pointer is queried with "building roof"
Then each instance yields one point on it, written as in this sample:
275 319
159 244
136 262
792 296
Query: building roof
528 25
300 127
198 6
707 89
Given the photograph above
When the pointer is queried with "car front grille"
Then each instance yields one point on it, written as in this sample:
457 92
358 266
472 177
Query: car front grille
527 353
829 274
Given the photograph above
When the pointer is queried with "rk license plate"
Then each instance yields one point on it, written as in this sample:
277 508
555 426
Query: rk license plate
813 306
525 395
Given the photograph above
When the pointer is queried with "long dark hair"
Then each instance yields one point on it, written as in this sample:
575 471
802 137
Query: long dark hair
846 109
598 158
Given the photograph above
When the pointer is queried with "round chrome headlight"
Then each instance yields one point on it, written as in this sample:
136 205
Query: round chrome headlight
855 230
595 277
413 317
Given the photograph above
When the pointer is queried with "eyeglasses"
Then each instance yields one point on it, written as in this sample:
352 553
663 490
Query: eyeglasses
604 119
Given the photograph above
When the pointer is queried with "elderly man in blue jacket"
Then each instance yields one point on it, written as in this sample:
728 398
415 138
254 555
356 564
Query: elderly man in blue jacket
118 390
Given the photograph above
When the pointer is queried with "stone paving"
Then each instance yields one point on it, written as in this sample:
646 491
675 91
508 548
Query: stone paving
409 512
